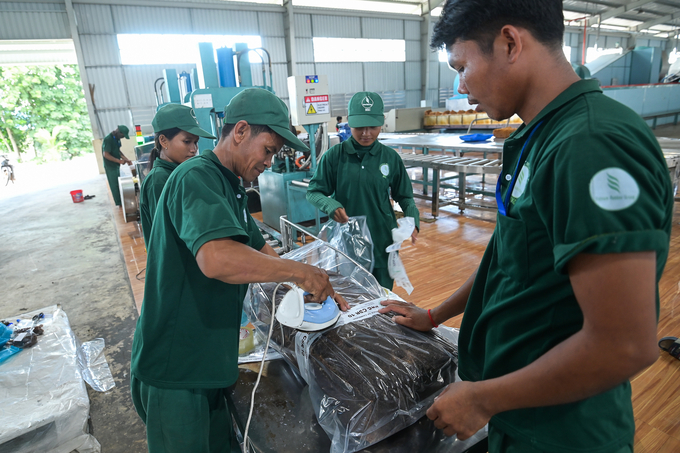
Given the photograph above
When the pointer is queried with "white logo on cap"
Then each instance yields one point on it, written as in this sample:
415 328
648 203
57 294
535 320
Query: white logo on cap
193 114
367 103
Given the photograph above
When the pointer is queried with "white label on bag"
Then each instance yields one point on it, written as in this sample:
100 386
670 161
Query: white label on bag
362 311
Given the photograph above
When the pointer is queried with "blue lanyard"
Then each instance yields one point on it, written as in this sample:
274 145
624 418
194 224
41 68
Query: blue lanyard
503 204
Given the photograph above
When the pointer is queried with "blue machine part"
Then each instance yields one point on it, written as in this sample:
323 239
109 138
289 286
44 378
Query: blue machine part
321 313
210 79
185 78
172 86
225 67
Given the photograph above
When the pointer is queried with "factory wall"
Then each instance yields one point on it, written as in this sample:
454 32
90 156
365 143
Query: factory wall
124 94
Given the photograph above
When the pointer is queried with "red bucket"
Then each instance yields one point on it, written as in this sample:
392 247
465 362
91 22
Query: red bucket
77 196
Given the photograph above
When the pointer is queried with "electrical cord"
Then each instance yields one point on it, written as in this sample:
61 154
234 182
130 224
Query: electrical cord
259 374
140 273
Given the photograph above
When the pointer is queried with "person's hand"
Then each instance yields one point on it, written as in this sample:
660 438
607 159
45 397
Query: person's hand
414 236
317 284
410 315
459 409
340 216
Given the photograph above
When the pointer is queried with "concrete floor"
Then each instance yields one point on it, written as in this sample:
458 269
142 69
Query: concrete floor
53 251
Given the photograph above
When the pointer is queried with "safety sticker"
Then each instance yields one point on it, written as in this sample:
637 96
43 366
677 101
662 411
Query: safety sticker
362 311
317 105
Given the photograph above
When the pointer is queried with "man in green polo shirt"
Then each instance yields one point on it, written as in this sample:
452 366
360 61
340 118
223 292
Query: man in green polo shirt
562 310
203 250
113 159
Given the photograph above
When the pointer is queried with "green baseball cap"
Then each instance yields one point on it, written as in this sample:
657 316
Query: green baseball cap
366 109
180 116
124 130
264 108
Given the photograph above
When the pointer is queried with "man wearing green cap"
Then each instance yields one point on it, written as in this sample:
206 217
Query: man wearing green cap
203 251
177 132
357 177
113 159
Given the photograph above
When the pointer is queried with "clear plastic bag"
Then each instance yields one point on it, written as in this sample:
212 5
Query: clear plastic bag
352 238
368 377
94 367
394 265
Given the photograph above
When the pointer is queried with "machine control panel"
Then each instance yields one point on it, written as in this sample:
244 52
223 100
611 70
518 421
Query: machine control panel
309 99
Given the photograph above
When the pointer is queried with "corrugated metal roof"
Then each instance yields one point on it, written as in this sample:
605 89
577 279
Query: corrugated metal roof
276 48
412 73
271 24
446 76
109 87
412 99
413 51
100 50
411 29
342 77
140 81
336 26
382 28
303 25
307 69
383 76
110 119
304 50
95 19
224 22
142 19
30 20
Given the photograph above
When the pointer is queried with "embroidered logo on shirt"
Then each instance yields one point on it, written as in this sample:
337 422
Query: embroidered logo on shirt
367 103
385 169
614 189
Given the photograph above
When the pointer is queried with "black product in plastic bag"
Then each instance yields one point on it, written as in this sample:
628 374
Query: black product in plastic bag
368 378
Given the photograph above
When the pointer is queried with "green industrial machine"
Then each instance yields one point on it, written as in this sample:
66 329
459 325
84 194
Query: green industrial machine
283 188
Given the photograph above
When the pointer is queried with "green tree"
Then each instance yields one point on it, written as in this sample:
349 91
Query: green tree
43 97
51 145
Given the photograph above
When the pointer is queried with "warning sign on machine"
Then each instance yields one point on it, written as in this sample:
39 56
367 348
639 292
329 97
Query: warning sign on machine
315 105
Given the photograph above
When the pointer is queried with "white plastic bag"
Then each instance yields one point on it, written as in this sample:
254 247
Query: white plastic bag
394 264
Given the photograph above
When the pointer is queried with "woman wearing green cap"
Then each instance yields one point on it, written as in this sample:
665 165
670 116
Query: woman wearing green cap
357 177
177 133
113 159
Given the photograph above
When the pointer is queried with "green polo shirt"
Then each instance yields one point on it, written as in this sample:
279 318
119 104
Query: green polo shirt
188 331
111 145
152 186
363 187
593 180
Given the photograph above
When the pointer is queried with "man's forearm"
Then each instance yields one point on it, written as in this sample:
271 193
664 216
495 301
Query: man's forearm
455 304
109 157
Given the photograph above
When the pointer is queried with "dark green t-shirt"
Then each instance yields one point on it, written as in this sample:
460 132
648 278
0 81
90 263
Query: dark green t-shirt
594 181
363 187
111 145
188 330
152 186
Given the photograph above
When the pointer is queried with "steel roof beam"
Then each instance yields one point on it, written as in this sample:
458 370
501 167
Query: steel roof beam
617 11
651 23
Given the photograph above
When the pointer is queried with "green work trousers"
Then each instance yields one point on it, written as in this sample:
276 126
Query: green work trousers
112 174
499 442
383 276
184 420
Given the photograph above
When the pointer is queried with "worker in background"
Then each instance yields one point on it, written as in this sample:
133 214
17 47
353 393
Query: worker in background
203 251
357 177
562 310
113 159
176 138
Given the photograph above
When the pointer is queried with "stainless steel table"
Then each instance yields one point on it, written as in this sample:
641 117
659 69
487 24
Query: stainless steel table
441 142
